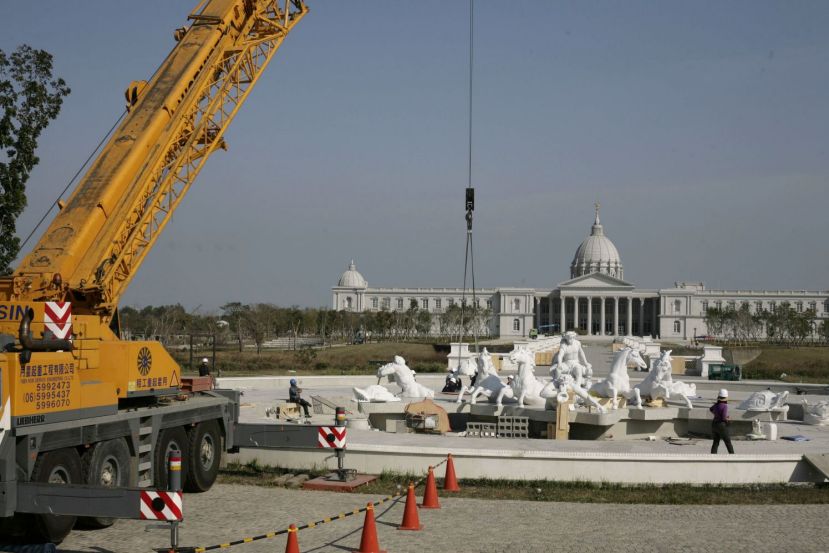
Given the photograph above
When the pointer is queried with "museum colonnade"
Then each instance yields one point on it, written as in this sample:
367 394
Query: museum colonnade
622 315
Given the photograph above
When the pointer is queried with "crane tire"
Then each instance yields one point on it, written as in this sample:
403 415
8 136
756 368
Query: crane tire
170 439
107 464
56 466
205 456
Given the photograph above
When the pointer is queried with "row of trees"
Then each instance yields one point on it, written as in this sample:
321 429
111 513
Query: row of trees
259 322
783 325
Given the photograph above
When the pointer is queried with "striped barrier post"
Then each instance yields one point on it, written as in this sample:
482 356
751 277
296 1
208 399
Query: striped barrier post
174 485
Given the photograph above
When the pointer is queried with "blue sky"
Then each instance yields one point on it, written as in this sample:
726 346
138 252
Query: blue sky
702 127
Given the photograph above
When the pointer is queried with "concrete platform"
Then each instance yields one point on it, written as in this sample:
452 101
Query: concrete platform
619 452
330 484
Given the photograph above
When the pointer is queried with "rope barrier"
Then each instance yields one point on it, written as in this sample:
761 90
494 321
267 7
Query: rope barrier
326 520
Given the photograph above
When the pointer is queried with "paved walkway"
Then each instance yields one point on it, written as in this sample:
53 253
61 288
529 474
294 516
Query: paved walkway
230 512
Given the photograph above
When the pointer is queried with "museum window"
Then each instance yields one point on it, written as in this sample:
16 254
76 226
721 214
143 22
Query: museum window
731 305
826 306
437 303
676 327
516 324
772 306
759 306
799 306
425 303
813 306
516 305
374 303
400 303
489 304
704 307
450 302
386 303
718 304
677 306
348 303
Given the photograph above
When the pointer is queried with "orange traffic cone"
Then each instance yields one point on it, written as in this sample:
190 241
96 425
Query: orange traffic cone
293 545
368 541
430 495
450 483
411 521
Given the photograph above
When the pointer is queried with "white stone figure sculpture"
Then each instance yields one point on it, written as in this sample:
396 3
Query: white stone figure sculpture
817 413
526 388
374 393
570 359
405 378
766 400
618 382
660 384
487 383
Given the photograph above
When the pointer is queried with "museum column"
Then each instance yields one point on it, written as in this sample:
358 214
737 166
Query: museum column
576 313
589 315
615 315
603 322
629 328
562 323
641 317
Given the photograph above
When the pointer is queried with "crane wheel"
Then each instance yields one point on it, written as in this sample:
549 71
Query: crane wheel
205 456
170 439
60 466
107 464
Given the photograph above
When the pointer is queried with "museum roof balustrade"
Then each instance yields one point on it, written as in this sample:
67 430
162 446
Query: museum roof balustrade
403 291
745 293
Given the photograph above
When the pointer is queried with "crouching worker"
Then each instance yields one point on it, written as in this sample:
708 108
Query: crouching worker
295 397
453 383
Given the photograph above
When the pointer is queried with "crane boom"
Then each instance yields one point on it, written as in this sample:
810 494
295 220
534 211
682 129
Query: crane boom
94 246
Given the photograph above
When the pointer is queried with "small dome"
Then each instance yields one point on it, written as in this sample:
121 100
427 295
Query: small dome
352 278
597 254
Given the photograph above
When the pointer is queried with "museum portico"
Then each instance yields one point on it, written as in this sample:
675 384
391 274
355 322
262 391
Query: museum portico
598 304
596 300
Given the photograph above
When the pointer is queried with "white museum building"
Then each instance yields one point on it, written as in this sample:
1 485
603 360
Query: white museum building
596 300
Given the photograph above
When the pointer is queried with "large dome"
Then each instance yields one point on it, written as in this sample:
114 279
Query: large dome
352 278
597 254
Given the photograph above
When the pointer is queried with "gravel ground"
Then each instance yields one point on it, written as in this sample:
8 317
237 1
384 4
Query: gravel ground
230 512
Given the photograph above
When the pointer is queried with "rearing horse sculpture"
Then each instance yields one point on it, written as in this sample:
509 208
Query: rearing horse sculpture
525 387
618 382
487 382
404 376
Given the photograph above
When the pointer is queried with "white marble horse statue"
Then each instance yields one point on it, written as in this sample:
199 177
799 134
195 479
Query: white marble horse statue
404 377
487 382
526 388
660 384
618 382
374 393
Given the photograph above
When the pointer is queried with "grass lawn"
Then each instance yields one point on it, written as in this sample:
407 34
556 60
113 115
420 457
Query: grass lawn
345 359
803 364
575 492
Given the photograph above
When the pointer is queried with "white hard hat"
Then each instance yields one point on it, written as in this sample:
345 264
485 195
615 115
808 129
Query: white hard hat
723 393
205 360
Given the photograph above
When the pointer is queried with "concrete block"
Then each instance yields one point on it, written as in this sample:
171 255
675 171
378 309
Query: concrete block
654 414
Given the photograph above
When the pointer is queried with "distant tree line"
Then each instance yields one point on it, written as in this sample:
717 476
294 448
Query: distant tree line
239 324
782 325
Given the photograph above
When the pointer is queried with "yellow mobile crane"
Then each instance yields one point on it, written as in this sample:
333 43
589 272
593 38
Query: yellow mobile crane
77 404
